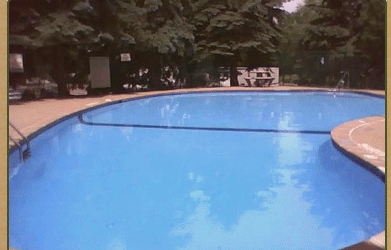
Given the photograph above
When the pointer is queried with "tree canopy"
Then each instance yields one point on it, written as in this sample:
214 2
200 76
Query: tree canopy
221 33
332 36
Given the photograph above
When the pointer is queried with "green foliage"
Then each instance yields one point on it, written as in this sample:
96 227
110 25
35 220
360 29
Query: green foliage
61 28
228 32
343 33
236 32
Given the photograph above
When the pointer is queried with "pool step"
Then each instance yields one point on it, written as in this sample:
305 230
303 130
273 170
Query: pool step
26 154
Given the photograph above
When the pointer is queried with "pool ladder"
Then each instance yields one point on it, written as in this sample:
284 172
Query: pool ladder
24 152
341 82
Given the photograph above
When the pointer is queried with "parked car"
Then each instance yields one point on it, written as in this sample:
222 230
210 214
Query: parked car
34 88
14 94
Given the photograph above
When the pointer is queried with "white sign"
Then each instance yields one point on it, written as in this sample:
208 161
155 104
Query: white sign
16 63
125 57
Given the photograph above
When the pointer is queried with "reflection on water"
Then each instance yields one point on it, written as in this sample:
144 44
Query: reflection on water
197 190
304 208
116 244
168 113
279 225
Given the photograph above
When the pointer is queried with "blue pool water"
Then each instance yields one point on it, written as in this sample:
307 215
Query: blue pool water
221 170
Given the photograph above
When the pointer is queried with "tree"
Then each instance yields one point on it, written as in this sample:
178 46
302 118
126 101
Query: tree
62 32
370 40
294 57
351 31
234 32
161 32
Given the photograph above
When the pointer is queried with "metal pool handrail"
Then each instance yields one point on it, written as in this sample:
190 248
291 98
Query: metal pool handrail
23 154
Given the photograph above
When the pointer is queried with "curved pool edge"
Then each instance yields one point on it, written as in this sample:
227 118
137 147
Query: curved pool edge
356 139
63 109
364 140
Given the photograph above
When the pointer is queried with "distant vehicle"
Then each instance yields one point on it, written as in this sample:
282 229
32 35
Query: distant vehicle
32 88
14 95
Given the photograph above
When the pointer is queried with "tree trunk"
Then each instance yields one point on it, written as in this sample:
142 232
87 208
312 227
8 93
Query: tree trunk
154 72
233 73
183 73
59 72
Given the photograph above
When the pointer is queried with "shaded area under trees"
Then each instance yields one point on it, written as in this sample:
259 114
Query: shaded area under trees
197 37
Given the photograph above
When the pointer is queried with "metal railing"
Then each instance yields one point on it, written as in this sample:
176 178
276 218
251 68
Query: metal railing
24 153
344 79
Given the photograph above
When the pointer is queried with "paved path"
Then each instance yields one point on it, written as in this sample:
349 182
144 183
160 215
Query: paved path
364 138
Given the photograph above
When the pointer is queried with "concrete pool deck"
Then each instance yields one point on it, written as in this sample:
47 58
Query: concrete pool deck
362 138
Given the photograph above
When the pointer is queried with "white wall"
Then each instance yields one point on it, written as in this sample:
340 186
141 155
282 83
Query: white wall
100 72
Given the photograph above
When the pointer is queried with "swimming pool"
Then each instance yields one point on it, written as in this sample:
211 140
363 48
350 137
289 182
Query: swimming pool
221 170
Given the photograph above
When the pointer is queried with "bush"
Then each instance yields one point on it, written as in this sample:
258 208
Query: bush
29 94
